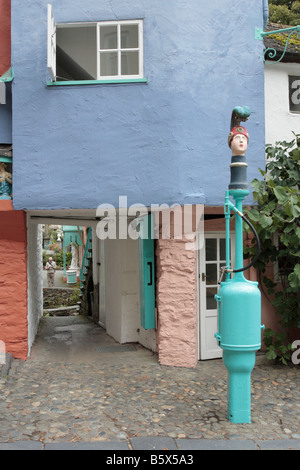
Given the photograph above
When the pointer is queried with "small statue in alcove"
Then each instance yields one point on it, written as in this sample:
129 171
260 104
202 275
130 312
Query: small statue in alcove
5 182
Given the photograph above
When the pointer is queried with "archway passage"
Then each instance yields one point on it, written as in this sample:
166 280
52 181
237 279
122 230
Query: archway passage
110 287
73 340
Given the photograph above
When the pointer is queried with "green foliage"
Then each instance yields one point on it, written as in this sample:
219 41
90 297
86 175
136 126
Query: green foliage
286 12
277 346
276 219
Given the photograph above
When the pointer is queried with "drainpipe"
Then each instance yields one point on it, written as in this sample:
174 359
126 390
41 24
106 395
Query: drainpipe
265 12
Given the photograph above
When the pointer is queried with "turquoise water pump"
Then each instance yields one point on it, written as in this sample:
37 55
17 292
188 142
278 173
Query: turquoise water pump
239 300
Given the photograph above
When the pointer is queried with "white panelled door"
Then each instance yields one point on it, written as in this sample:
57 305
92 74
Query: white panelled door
212 255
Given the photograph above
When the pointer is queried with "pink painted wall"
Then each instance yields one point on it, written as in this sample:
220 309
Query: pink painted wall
13 280
176 299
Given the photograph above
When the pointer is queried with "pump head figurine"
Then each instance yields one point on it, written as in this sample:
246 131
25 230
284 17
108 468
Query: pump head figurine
5 181
238 139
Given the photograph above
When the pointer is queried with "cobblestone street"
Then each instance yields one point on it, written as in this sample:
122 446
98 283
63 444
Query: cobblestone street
71 390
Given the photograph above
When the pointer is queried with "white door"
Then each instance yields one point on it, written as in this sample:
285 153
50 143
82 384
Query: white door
212 255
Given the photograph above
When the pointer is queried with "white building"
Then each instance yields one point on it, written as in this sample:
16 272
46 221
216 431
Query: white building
282 89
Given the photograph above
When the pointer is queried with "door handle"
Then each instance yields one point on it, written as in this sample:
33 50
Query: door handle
150 264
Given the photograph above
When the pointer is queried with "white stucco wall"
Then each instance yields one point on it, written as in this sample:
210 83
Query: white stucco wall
35 279
280 122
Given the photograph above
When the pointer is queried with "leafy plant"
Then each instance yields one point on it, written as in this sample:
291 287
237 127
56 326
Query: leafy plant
277 346
276 218
286 12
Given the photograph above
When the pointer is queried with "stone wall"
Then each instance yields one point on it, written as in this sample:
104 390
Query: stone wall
176 297
57 297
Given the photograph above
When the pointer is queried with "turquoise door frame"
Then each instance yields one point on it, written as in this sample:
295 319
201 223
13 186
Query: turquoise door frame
147 273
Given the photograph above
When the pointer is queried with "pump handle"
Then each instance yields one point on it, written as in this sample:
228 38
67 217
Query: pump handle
226 270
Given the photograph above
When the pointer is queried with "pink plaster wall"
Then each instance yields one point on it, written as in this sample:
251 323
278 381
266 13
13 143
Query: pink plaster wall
176 299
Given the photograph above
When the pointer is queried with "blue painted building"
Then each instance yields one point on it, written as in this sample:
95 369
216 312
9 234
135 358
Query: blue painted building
156 133
134 99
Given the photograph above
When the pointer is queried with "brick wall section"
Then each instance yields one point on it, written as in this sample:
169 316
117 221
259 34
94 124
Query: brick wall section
13 280
176 299
5 48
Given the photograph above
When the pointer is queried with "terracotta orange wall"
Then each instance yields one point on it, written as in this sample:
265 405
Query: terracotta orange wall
13 280
5 34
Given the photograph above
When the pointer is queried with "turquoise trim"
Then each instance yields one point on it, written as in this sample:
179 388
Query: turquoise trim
97 82
8 76
147 272
260 33
271 52
4 159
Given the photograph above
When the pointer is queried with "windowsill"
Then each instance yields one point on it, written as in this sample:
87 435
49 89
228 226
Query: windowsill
97 82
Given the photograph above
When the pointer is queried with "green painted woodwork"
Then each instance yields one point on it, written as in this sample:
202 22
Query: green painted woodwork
147 273
71 235
97 82
85 260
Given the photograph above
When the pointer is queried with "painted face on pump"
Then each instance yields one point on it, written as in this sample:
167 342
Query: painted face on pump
239 144
238 140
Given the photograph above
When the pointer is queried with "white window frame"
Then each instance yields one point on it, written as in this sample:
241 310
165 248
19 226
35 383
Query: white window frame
51 44
119 50
294 93
51 48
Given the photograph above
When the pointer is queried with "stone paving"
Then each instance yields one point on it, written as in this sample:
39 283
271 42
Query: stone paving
79 385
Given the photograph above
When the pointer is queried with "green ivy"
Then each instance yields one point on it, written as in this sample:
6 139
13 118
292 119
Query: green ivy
276 219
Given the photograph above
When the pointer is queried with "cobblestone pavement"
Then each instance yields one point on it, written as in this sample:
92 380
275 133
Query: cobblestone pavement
79 385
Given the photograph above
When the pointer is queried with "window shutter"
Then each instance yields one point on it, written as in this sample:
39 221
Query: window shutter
51 45
147 274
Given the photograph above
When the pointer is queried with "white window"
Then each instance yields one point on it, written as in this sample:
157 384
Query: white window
294 93
106 50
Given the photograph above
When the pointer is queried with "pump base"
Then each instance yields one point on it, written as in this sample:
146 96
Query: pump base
239 365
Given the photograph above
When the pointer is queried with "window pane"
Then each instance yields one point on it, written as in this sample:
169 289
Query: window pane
211 249
222 249
294 93
108 64
211 274
211 303
108 37
129 36
130 63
